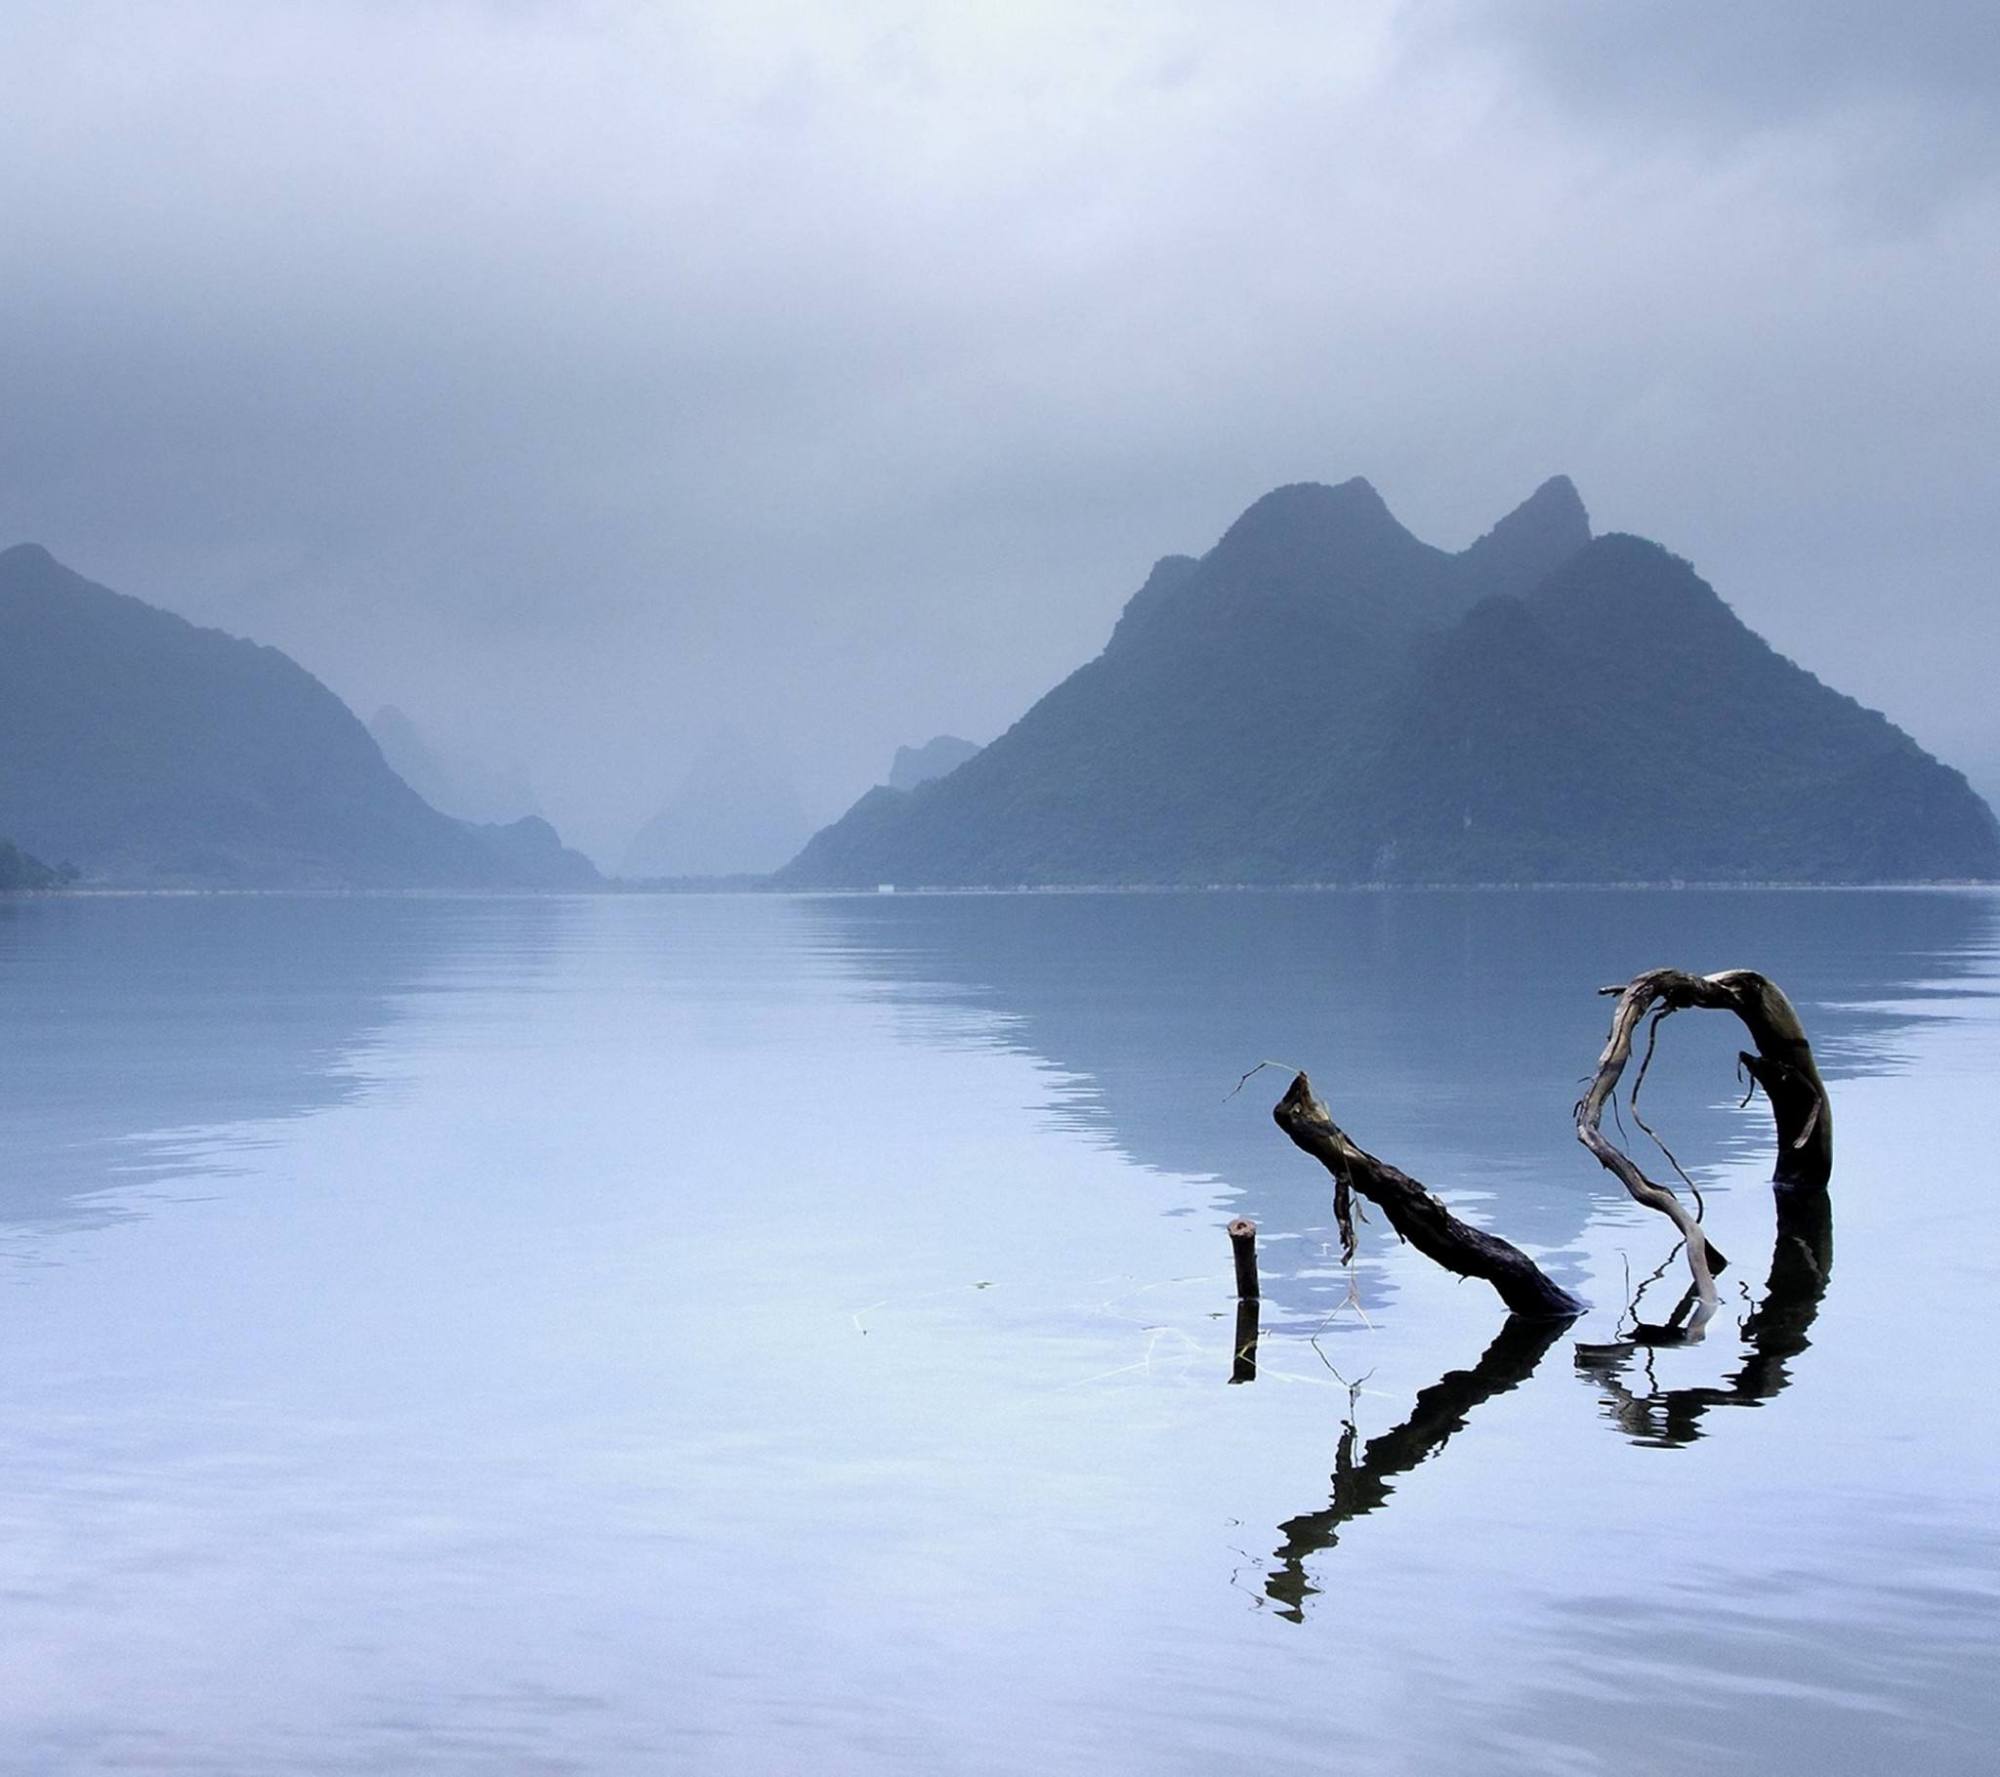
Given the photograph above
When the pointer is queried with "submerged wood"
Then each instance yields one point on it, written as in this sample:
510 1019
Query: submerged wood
1243 1248
1783 1065
1243 1356
1416 1215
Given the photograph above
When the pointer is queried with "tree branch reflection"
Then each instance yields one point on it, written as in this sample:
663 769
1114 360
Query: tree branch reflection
1774 1333
1362 1485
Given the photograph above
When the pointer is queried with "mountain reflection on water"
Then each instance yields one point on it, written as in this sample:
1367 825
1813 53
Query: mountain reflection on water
1447 1031
139 1025
201 1011
726 1334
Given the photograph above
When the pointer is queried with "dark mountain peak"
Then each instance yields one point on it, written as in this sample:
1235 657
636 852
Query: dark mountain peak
1530 543
1331 559
1553 515
1323 698
1555 502
30 574
27 556
1311 516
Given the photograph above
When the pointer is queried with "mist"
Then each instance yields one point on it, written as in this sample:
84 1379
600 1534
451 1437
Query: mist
592 380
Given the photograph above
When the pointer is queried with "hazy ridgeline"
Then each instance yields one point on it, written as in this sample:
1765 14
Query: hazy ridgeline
148 752
1322 698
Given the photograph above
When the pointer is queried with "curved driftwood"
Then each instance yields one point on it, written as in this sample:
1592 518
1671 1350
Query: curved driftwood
1783 1066
1417 1216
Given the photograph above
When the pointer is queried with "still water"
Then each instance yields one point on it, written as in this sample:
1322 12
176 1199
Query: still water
794 1335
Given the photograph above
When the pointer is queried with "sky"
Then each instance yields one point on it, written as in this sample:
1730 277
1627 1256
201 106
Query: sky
591 378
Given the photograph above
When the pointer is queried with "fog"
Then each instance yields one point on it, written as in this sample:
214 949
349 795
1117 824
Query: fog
590 379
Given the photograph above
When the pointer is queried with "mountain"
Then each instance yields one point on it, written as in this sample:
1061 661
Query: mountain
153 753
449 781
939 755
1621 722
532 855
1984 776
18 871
734 813
1325 698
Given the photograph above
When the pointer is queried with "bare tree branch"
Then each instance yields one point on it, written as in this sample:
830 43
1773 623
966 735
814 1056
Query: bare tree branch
1417 1216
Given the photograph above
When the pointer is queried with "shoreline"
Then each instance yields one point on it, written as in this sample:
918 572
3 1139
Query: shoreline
669 889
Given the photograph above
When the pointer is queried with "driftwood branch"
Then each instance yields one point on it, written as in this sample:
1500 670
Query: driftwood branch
1417 1216
1783 1065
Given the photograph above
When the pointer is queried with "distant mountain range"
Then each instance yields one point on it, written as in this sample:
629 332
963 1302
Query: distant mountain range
149 752
453 783
1324 698
736 812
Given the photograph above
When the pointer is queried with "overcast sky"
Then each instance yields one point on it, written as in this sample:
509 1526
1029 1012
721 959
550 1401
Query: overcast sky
587 375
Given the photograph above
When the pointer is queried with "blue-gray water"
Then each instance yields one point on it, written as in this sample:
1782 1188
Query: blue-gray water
761 1335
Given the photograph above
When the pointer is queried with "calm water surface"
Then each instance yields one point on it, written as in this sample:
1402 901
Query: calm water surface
760 1335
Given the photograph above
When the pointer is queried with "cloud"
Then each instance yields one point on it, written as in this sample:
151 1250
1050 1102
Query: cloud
1896 103
1716 65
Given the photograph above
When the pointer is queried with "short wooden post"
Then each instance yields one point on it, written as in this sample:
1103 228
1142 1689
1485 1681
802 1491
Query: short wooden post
1243 1243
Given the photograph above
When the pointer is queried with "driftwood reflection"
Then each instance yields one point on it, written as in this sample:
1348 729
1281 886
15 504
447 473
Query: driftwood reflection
1361 1485
1774 1333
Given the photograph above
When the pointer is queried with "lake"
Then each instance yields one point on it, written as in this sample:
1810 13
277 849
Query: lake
758 1334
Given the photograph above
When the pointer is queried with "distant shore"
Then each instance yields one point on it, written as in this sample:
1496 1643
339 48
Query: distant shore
671 887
